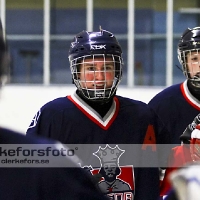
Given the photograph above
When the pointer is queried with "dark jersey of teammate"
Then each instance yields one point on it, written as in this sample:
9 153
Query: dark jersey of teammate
43 183
176 107
71 121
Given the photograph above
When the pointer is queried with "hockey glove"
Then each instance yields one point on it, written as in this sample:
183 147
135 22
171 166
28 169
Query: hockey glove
186 136
195 144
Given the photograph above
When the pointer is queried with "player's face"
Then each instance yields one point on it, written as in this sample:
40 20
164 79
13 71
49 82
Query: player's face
97 73
193 63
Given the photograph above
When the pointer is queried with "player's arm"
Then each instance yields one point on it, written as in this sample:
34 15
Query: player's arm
40 124
147 176
33 127
184 154
186 136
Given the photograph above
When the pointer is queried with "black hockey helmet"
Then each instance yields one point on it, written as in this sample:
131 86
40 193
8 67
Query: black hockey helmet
94 45
189 42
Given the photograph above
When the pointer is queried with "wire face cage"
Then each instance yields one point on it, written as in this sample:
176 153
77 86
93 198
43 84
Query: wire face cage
97 76
190 60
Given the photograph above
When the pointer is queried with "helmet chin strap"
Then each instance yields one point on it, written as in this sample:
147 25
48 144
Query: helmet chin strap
101 107
194 90
195 81
84 94
196 85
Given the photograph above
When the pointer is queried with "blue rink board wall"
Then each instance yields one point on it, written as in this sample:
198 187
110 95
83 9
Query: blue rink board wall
150 59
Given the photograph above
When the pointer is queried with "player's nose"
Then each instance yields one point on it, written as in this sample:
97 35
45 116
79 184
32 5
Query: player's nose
99 75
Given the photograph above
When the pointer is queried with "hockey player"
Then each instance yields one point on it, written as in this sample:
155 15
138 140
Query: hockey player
185 154
33 183
94 114
178 104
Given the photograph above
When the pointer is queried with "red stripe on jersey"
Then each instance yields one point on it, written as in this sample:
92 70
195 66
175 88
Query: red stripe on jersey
186 97
106 127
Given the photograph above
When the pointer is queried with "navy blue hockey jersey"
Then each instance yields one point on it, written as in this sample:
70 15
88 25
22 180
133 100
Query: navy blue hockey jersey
42 183
176 107
71 121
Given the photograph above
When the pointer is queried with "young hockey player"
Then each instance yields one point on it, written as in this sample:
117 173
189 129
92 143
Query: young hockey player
185 154
68 181
94 114
178 104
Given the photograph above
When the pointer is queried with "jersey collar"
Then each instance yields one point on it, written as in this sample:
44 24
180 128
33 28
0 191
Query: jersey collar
189 97
104 122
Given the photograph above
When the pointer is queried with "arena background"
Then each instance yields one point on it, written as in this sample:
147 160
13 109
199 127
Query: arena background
39 34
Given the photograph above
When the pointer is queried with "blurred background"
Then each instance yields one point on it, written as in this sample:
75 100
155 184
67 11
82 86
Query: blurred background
39 34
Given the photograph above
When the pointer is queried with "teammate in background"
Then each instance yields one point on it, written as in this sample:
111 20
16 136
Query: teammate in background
94 114
39 183
183 155
178 104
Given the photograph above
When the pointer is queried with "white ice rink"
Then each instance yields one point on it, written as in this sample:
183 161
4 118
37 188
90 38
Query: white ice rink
18 104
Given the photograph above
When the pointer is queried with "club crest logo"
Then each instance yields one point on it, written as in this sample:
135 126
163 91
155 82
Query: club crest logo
109 155
114 180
